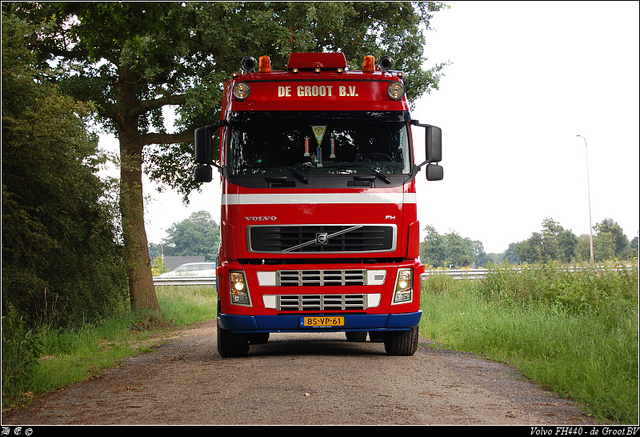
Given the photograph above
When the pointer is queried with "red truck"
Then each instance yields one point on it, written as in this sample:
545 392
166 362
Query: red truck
319 227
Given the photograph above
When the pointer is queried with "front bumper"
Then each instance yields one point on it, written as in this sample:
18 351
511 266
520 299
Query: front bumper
291 323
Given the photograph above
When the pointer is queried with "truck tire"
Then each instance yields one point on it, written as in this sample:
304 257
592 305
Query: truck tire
404 343
376 336
356 336
260 338
231 344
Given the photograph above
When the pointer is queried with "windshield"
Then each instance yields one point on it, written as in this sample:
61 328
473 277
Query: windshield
318 143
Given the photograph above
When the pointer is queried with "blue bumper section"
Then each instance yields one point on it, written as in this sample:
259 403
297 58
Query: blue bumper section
291 323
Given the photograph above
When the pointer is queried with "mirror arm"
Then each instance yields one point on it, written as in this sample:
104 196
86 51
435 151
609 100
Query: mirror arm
211 130
417 123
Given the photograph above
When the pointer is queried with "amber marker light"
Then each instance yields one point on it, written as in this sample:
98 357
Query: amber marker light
264 64
369 64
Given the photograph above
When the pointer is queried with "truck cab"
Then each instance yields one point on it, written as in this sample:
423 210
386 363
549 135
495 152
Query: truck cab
319 228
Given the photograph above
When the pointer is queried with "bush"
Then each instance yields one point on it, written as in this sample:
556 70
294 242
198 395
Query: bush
20 353
573 329
576 288
61 262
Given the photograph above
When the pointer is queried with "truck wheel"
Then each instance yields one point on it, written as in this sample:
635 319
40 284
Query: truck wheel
356 336
376 336
403 343
231 344
260 338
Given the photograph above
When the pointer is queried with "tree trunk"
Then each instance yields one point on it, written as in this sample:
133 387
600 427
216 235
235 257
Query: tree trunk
141 289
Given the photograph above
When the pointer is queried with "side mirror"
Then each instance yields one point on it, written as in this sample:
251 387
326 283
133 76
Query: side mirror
433 146
203 173
433 151
434 172
204 151
203 145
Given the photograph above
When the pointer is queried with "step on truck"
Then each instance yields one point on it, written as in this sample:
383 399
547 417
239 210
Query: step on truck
319 227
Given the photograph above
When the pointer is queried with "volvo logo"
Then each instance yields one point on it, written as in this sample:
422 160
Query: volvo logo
322 238
267 218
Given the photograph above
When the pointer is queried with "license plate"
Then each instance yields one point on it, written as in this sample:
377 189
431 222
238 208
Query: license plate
326 321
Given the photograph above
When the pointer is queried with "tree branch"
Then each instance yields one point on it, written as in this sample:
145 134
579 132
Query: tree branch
150 105
156 138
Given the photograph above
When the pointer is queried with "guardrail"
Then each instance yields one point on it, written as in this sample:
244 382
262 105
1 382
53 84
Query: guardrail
456 274
184 280
211 280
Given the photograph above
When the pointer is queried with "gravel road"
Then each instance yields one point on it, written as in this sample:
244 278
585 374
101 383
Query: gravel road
318 379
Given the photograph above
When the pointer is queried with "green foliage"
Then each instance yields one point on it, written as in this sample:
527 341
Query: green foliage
575 289
50 359
552 244
432 248
197 235
186 305
158 267
131 59
20 353
573 330
555 243
451 250
459 251
181 53
60 263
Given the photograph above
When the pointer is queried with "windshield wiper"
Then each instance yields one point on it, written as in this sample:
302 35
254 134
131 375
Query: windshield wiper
375 172
296 174
292 171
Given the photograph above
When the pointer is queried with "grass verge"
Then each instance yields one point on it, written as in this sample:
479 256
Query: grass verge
64 357
578 341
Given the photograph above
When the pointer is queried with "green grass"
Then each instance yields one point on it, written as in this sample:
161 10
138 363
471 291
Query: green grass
60 358
575 333
186 305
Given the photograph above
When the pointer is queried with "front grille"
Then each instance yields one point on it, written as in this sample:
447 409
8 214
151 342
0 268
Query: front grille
321 302
310 278
321 238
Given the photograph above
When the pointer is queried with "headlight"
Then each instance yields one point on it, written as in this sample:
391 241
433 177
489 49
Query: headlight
238 289
241 91
404 286
396 90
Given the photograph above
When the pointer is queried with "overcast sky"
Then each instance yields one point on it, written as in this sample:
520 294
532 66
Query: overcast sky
525 79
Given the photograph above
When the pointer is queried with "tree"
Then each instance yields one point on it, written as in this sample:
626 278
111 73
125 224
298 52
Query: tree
511 256
611 231
61 265
583 248
567 244
132 59
632 250
553 243
604 247
530 250
432 248
550 232
159 266
481 257
197 235
458 250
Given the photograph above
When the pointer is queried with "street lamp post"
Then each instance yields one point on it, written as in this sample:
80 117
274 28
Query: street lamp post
589 196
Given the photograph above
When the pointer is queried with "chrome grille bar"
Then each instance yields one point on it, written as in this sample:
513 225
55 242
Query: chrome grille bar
321 302
307 278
